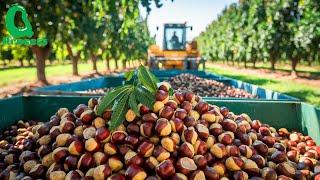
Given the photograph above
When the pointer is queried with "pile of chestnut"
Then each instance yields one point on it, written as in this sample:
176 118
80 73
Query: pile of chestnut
180 137
206 87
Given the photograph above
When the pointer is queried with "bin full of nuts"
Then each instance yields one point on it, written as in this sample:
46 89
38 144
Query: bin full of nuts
180 137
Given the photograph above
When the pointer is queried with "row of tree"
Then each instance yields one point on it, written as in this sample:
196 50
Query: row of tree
263 30
84 29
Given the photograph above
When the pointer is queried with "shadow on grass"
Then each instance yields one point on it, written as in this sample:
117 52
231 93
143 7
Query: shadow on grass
301 73
247 79
304 94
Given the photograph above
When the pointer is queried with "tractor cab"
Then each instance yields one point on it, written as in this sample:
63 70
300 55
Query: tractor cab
174 37
176 52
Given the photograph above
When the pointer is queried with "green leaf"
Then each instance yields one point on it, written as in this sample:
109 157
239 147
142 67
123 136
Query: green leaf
144 96
119 110
133 103
147 79
106 101
128 75
171 92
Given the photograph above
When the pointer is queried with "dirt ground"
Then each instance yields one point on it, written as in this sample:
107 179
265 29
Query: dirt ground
26 87
304 78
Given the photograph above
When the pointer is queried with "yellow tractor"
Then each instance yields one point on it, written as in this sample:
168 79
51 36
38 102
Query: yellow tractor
176 53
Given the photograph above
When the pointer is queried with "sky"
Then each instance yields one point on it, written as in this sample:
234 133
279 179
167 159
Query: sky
197 13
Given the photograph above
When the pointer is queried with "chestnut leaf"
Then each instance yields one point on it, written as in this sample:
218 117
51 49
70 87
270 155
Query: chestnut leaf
144 96
107 101
119 110
129 75
133 103
147 79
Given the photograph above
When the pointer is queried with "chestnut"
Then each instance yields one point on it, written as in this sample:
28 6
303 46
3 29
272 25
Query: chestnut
146 129
165 169
251 167
186 150
186 106
219 150
215 129
168 143
200 161
278 157
85 162
87 116
186 165
89 132
132 157
37 171
76 148
245 151
286 169
118 137
100 158
203 131
130 115
74 175
110 149
151 163
145 149
135 172
166 112
91 145
234 163
70 163
211 174
178 97
157 106
150 117
102 135
200 147
163 127
268 173
261 148
57 175
115 164
60 154
197 175
189 135
177 125
161 153
162 96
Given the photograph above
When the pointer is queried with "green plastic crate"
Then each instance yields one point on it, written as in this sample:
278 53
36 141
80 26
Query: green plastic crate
292 115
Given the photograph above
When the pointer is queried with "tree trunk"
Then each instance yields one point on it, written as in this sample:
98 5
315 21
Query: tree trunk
74 60
294 62
29 63
21 62
245 63
254 62
124 64
273 62
108 63
41 54
116 61
94 62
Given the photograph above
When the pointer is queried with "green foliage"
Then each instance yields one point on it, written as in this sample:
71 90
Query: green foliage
107 29
254 30
120 99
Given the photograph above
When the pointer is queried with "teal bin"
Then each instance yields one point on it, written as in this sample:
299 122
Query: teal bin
75 88
292 115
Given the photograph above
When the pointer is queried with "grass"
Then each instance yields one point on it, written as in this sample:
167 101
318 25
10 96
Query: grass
283 67
305 92
28 74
